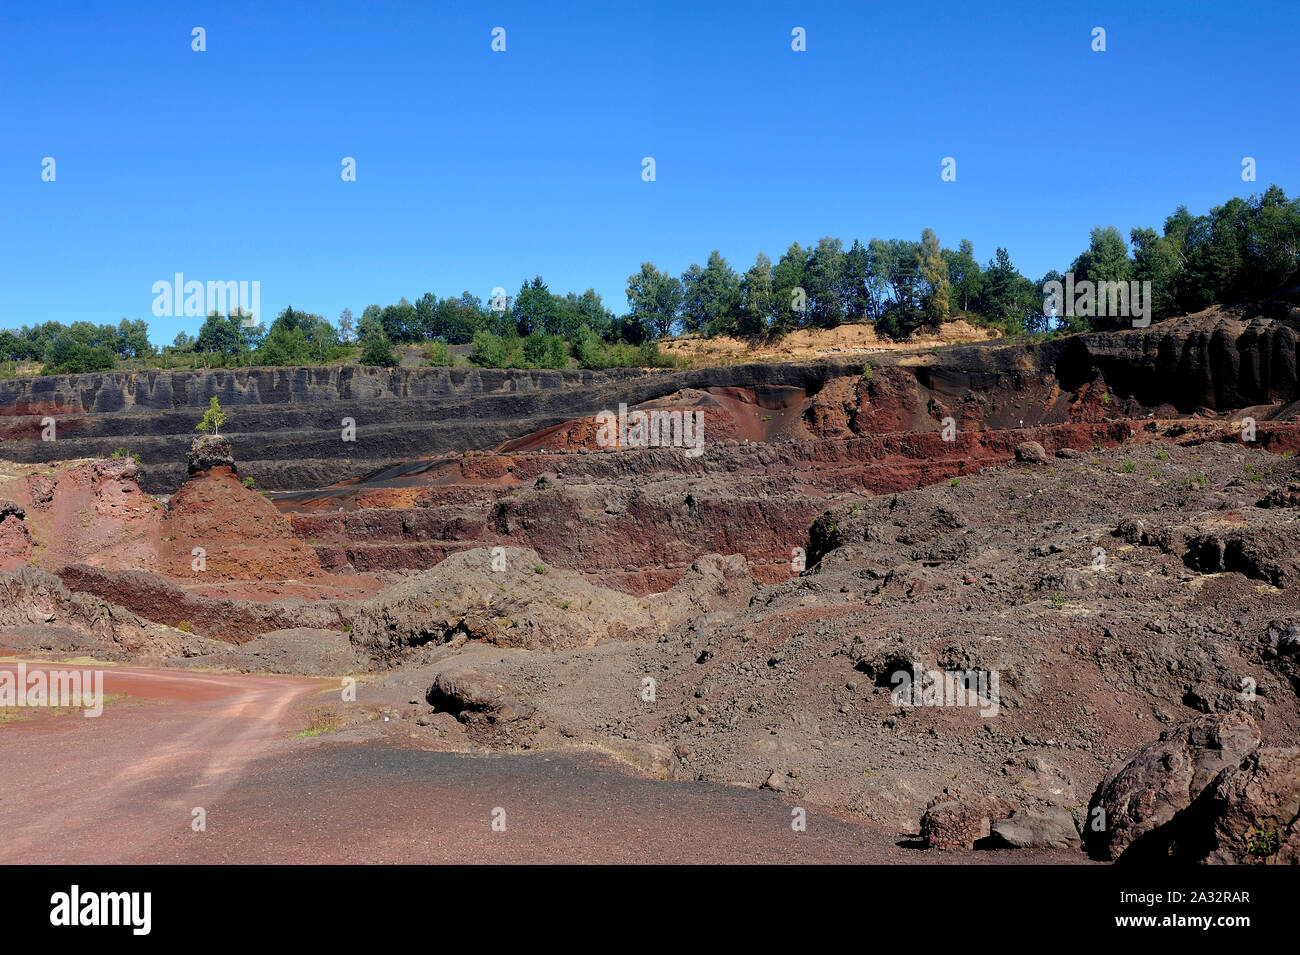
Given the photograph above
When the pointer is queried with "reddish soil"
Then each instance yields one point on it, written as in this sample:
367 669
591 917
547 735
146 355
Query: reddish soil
181 738
1085 516
122 788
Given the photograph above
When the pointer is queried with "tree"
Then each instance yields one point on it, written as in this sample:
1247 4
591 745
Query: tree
790 289
965 278
400 322
710 296
855 293
576 311
1157 259
824 279
535 308
933 272
347 326
758 308
133 339
377 350
1041 321
1105 260
68 356
222 335
213 418
896 262
655 299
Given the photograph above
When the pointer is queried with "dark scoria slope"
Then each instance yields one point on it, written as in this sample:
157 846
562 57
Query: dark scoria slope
287 422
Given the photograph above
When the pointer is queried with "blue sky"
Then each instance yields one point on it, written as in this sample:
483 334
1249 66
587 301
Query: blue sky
477 169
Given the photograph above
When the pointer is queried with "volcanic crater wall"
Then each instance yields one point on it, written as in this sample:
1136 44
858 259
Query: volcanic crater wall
287 422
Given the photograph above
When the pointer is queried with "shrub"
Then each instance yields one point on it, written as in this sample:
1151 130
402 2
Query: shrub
377 351
438 355
66 356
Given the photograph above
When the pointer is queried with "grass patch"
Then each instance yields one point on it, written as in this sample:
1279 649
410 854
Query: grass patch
319 724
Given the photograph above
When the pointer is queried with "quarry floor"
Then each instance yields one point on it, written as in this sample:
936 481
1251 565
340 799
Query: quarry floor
243 749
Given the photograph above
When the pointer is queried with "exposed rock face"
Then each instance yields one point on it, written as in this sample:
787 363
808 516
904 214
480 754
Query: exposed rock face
235 621
1143 795
524 603
210 451
1108 590
241 535
287 420
1233 362
1205 792
1256 810
38 612
15 541
509 597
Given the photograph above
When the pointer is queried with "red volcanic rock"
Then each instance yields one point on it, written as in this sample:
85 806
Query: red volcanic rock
153 597
950 822
1162 779
38 612
15 542
241 535
91 513
1256 810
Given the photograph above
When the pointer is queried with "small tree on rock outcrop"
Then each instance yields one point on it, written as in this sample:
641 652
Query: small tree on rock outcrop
213 418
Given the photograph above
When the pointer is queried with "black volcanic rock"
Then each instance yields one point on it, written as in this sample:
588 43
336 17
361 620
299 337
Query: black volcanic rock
211 451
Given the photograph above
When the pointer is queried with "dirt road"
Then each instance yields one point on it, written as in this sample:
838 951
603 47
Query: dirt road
123 787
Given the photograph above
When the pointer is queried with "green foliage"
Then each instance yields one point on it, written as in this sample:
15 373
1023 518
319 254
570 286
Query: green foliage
497 351
1241 251
536 310
932 269
1261 844
654 300
438 355
711 297
66 356
299 338
537 350
223 335
213 418
377 350
593 352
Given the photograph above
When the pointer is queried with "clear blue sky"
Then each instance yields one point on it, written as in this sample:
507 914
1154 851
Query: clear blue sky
477 169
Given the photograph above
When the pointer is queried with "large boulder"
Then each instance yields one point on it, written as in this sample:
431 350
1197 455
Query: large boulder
1256 810
1031 452
1051 828
210 451
1142 795
953 822
469 695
